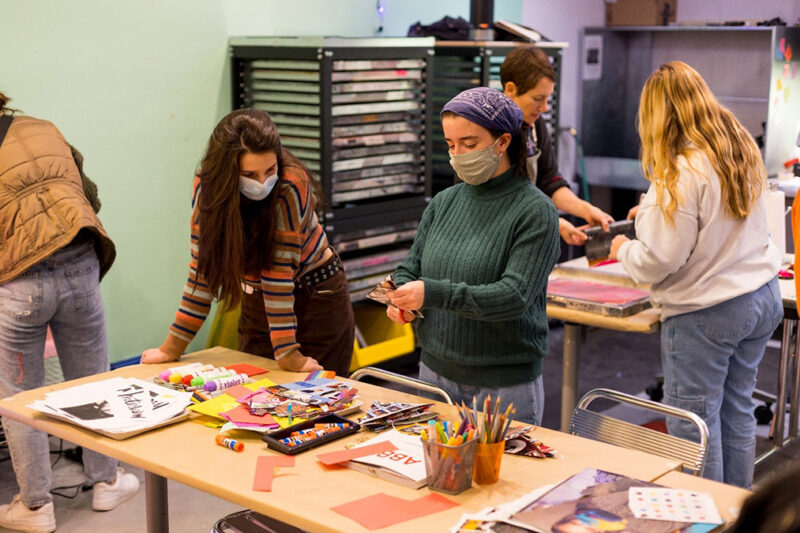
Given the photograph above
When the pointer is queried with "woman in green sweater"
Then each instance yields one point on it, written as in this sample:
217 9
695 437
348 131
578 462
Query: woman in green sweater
478 267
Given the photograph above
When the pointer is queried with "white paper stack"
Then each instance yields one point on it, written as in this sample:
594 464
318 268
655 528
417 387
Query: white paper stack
116 407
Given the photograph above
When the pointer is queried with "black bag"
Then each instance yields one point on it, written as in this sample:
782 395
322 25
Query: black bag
446 29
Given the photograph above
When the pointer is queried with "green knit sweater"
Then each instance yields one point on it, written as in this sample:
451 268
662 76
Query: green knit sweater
484 253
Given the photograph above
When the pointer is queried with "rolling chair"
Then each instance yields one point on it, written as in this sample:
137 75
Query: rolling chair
598 426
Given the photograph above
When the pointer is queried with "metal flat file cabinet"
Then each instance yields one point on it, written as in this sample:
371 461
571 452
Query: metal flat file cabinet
357 112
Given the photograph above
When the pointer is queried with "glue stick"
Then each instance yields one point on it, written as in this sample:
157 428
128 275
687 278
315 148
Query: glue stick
224 383
183 368
234 445
200 378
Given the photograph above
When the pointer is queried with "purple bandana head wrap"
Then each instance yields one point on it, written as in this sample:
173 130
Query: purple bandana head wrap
488 108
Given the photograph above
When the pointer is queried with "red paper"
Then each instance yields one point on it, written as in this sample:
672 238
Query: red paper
332 458
381 510
264 470
244 368
242 414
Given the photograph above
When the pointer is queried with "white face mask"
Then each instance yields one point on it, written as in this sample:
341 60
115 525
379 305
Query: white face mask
256 191
476 167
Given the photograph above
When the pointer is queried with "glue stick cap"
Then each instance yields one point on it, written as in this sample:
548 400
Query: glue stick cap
211 386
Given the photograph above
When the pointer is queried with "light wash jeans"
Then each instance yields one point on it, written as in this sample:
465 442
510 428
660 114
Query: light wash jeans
710 359
63 292
528 397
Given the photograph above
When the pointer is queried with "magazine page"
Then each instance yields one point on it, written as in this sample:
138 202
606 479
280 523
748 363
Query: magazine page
593 500
407 460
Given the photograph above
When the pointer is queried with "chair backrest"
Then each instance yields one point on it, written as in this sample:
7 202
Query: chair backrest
604 428
402 380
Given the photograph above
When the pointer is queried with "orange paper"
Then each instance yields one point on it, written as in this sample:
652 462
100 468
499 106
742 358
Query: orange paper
264 470
332 458
244 368
381 510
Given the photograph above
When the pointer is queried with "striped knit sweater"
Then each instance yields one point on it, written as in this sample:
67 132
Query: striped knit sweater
484 253
300 244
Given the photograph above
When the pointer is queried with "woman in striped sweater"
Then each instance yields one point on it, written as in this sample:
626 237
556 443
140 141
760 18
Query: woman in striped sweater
256 240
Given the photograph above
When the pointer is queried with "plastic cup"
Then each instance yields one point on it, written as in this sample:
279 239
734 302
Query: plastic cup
488 457
449 468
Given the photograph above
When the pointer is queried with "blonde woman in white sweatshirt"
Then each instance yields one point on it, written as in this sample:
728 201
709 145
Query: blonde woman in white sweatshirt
703 244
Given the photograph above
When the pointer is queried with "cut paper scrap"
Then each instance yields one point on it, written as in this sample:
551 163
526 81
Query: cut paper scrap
244 368
780 85
265 470
316 374
794 69
340 456
381 510
785 73
241 414
788 53
224 402
782 46
675 505
238 392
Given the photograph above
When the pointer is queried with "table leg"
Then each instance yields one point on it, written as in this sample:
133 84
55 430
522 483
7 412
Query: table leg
569 379
783 371
157 503
795 390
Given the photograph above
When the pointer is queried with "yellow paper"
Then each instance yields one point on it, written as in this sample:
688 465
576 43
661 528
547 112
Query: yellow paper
780 85
223 402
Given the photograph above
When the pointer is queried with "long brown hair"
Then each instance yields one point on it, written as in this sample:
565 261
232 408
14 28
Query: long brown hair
236 234
679 115
4 100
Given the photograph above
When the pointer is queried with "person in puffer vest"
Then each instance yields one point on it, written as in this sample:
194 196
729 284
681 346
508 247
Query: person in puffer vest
53 253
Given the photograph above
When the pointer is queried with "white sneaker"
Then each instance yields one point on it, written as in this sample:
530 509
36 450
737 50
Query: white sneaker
16 515
107 496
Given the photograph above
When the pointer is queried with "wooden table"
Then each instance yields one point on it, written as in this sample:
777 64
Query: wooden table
303 495
575 321
729 499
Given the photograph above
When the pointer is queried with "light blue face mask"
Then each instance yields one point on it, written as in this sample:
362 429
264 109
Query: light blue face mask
254 190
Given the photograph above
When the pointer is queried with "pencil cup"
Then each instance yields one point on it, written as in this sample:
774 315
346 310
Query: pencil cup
488 457
449 468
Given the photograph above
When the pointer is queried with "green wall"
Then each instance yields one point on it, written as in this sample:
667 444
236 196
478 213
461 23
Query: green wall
138 86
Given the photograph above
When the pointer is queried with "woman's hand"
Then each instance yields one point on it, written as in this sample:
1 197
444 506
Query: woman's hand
570 233
632 212
597 217
410 296
618 241
297 362
157 355
399 315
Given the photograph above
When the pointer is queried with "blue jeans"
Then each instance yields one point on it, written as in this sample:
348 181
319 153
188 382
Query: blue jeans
528 397
63 291
710 359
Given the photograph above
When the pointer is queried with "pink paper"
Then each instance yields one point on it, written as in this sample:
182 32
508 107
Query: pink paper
381 510
241 414
340 456
593 291
265 466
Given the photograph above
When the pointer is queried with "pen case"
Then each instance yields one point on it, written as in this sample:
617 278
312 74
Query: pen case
273 439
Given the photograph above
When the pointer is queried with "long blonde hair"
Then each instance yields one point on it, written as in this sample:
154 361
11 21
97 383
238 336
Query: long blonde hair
679 115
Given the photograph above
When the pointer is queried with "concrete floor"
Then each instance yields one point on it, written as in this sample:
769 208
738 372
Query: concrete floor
633 367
